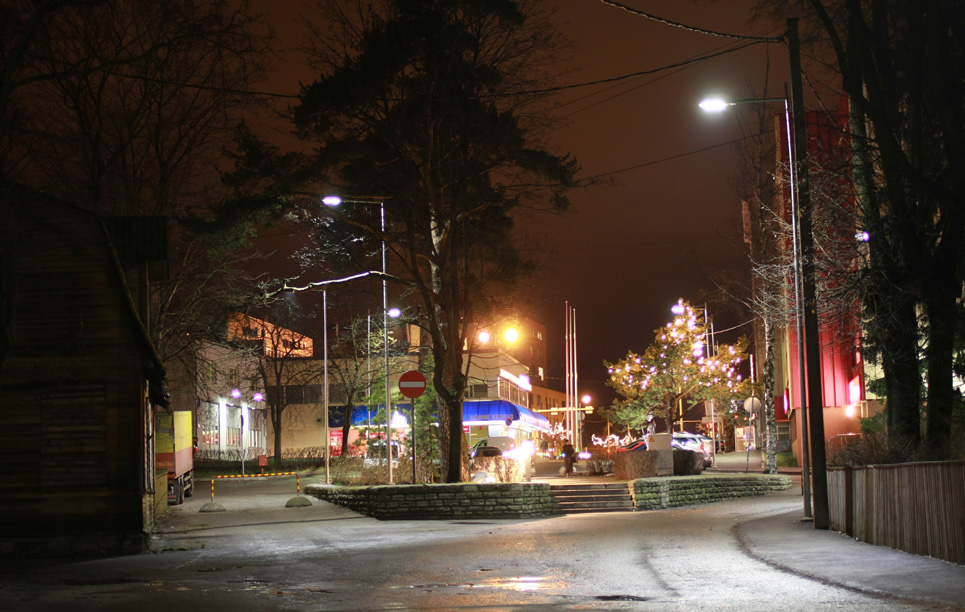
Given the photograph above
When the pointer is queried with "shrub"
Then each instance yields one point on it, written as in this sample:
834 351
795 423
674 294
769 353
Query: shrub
503 469
687 463
426 471
635 464
878 448
599 466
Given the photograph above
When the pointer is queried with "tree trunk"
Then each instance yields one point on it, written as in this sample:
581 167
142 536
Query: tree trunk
770 421
276 426
455 451
941 311
899 340
346 427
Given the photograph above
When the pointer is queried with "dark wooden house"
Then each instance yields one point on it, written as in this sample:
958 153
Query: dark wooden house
79 378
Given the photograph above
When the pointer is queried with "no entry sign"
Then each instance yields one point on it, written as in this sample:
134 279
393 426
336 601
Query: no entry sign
412 384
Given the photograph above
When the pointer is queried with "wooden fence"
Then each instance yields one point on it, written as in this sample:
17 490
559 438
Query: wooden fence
914 507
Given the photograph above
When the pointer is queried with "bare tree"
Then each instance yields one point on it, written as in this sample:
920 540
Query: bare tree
123 108
435 109
898 62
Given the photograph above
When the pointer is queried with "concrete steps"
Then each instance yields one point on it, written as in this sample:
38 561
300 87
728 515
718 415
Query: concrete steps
602 497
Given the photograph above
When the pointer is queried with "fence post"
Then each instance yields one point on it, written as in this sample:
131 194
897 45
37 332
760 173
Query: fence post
849 500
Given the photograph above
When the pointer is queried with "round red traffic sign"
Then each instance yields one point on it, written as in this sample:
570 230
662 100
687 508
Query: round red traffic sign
412 384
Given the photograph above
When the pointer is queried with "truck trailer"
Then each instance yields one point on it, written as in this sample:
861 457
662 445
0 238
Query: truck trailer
174 451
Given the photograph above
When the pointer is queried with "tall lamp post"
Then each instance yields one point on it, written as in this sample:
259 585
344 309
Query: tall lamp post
335 201
714 105
328 434
801 183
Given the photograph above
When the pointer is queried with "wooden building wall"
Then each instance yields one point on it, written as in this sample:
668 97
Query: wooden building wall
73 388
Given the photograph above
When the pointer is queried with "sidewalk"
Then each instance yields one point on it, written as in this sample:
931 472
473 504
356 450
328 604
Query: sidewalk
788 542
751 462
784 541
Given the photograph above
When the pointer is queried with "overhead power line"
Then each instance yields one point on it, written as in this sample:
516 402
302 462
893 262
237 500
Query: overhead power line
689 28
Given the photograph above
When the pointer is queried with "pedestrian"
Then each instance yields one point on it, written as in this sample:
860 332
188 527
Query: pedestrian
569 457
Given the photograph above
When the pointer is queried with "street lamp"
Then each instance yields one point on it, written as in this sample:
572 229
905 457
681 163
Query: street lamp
333 200
328 434
243 408
715 105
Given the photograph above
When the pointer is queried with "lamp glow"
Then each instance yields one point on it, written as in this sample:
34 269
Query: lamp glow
331 200
714 105
511 335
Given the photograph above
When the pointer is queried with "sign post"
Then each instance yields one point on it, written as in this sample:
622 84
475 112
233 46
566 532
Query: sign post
412 384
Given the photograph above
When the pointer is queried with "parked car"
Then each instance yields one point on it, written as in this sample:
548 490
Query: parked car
709 443
633 446
683 440
375 453
503 443
486 451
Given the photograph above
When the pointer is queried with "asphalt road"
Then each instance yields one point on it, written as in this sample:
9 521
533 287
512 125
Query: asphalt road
259 555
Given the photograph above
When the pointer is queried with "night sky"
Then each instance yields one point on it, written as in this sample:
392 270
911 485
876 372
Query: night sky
671 219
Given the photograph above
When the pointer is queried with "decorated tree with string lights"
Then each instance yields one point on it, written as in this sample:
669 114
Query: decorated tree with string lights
679 365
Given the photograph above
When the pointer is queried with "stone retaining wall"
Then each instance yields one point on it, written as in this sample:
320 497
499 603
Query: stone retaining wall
527 500
659 493
442 501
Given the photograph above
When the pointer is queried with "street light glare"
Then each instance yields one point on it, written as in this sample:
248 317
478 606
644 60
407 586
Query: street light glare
331 200
713 105
511 335
395 313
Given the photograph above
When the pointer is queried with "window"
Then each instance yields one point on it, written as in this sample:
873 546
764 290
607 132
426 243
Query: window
479 390
294 394
303 394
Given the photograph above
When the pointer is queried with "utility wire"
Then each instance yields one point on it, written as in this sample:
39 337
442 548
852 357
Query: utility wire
689 28
672 157
751 42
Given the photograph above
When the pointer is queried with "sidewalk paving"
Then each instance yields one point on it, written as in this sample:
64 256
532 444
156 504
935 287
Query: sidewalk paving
790 542
785 541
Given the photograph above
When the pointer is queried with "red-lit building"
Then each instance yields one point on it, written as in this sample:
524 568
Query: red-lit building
845 396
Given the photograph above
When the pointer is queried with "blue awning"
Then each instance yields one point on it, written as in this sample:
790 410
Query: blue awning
361 415
481 412
492 412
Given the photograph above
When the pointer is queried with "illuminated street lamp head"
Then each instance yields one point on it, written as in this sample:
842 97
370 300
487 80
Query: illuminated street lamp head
483 337
511 335
678 308
258 397
714 105
586 399
331 200
236 393
395 313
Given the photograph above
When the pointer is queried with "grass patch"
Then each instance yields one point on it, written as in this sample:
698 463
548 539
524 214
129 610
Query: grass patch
786 460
